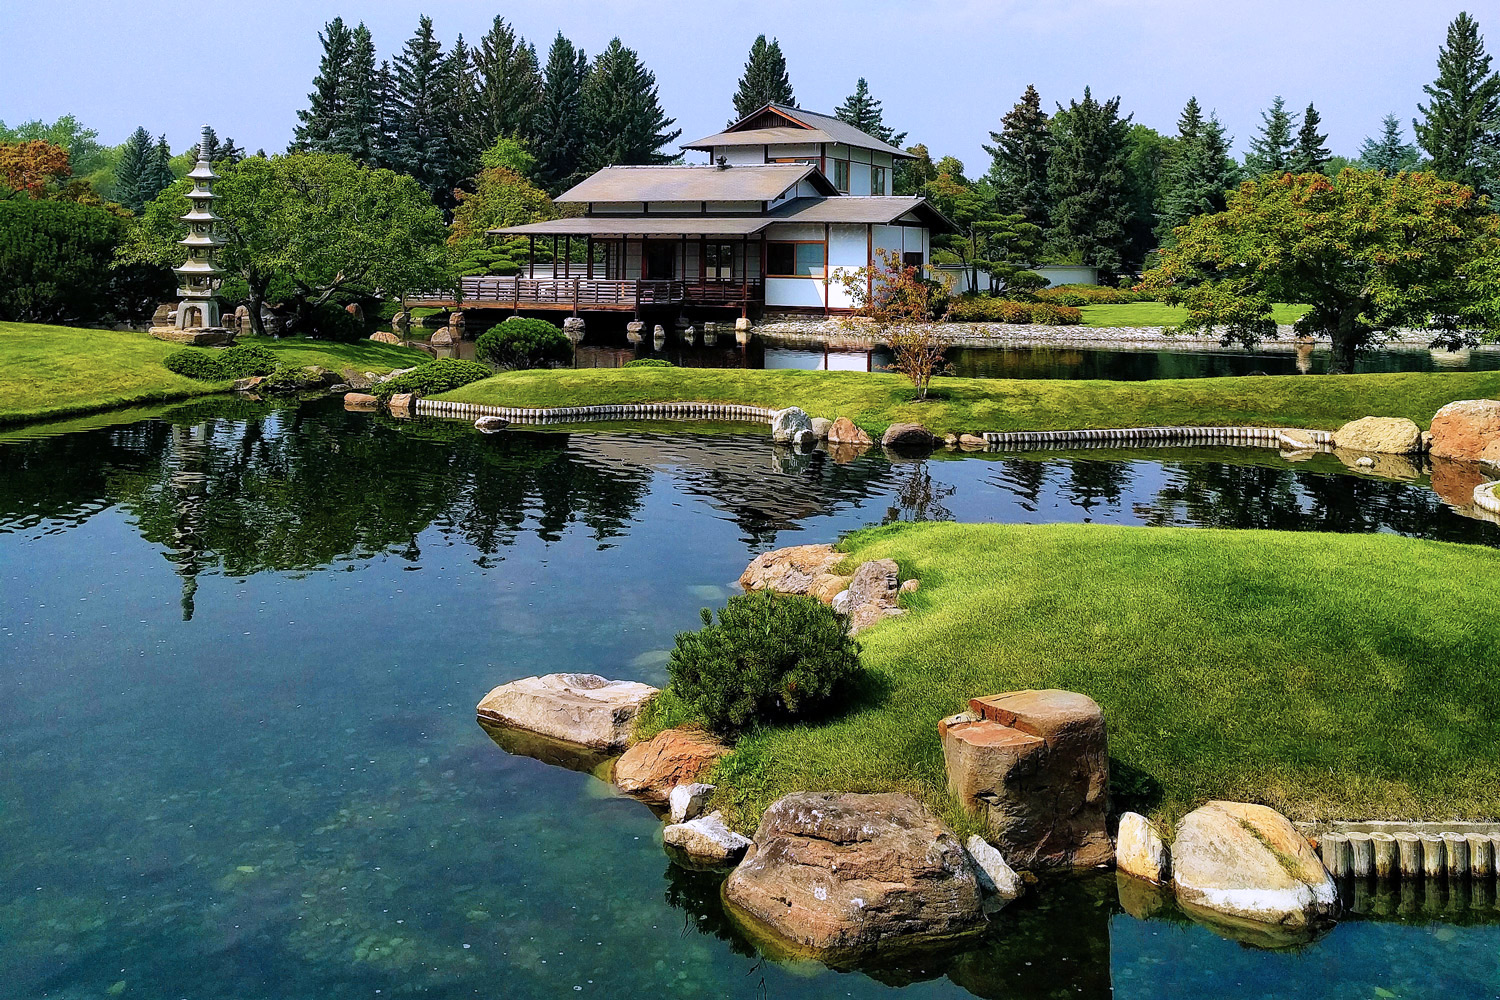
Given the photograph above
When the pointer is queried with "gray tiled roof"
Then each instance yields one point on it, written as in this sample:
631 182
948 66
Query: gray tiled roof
820 128
692 183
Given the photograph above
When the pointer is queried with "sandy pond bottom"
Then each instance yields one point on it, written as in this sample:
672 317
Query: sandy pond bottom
240 649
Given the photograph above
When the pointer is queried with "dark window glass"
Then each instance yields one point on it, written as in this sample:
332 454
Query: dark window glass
781 258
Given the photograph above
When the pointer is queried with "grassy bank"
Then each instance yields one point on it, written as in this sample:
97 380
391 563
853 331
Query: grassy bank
51 371
1325 675
1160 314
875 401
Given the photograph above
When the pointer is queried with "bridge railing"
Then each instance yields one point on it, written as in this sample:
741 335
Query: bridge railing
585 293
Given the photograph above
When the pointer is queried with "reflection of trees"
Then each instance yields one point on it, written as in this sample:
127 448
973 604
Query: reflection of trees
919 497
1093 482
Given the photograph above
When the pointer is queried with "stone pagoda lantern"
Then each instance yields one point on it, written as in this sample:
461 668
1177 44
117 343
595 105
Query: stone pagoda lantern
198 320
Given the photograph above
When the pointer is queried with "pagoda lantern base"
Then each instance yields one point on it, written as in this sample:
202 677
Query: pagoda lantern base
203 336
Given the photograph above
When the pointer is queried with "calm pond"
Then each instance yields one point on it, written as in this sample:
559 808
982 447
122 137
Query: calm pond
240 648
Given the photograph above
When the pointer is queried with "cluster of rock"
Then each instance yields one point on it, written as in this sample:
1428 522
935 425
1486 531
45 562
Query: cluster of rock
865 597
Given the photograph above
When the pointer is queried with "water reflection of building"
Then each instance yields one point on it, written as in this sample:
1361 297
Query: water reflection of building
187 484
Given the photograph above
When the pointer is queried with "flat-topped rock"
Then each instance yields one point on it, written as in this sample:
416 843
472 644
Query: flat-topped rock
1383 435
1034 765
1246 870
706 840
845 874
907 436
651 769
585 709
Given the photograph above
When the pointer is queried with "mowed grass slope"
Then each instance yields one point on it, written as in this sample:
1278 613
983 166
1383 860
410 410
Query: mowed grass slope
49 371
1160 314
1329 676
876 400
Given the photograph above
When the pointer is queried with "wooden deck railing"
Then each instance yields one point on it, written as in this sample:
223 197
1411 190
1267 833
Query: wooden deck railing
592 293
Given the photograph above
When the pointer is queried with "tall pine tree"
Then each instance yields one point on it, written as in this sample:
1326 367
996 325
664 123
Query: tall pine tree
423 144
1019 159
509 85
622 114
464 81
1087 183
1460 129
135 169
1271 150
330 89
1309 154
861 110
765 80
1391 153
1197 178
359 127
559 140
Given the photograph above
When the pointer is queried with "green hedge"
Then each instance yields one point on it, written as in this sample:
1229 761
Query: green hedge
221 365
983 309
434 377
649 363
1092 295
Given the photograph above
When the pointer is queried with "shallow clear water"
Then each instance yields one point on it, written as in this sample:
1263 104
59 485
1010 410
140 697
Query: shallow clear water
240 649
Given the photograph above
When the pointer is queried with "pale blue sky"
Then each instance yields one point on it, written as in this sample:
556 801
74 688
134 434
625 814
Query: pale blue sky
946 69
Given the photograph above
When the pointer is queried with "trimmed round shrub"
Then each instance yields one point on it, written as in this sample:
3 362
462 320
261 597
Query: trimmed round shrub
247 360
434 377
769 658
524 343
649 363
197 364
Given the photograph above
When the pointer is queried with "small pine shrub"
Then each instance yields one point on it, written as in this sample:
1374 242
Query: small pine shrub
434 377
284 380
649 363
524 343
197 364
770 658
247 360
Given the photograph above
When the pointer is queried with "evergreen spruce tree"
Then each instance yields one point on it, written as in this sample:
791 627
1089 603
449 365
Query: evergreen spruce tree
131 173
224 153
1271 150
765 80
1200 176
465 95
359 126
622 114
1019 159
388 112
1389 154
1087 183
509 85
558 125
330 89
1190 122
1460 129
1310 154
422 134
862 111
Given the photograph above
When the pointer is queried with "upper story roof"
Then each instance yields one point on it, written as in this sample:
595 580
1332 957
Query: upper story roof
695 183
776 124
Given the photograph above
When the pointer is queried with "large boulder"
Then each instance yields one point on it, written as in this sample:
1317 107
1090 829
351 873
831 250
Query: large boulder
872 594
442 338
1139 849
650 770
792 426
1246 870
1385 435
383 337
1463 429
843 431
794 570
1034 766
585 709
706 840
907 437
843 874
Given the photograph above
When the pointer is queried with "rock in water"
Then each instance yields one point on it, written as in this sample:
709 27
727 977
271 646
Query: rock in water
1034 765
794 570
844 874
491 425
791 426
706 839
909 437
999 881
843 431
442 338
650 770
585 709
1385 435
820 427
686 802
1139 849
1247 870
1463 429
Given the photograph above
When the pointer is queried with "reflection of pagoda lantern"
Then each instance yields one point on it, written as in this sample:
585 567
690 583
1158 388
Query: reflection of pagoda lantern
199 275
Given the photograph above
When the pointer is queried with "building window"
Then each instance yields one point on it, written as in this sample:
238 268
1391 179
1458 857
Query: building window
877 180
794 260
914 259
718 261
841 175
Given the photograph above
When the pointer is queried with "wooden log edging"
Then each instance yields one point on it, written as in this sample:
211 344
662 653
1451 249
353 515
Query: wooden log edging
622 411
1452 851
1264 437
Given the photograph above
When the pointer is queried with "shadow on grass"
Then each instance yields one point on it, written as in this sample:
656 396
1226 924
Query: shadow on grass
1131 789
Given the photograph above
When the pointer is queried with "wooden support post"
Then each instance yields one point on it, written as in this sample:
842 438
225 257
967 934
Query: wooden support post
591 258
554 262
745 276
567 255
531 258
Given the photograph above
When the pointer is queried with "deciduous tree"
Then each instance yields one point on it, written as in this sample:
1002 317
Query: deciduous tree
32 168
502 197
1372 254
897 300
765 80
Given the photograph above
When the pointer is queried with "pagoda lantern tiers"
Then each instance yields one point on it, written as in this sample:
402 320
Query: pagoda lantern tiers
200 274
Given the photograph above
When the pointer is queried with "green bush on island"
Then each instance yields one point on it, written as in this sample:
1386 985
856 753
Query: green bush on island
221 365
984 309
521 343
649 363
434 377
770 658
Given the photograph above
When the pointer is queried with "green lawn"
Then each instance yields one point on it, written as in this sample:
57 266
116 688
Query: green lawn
51 371
1158 314
1329 676
876 400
